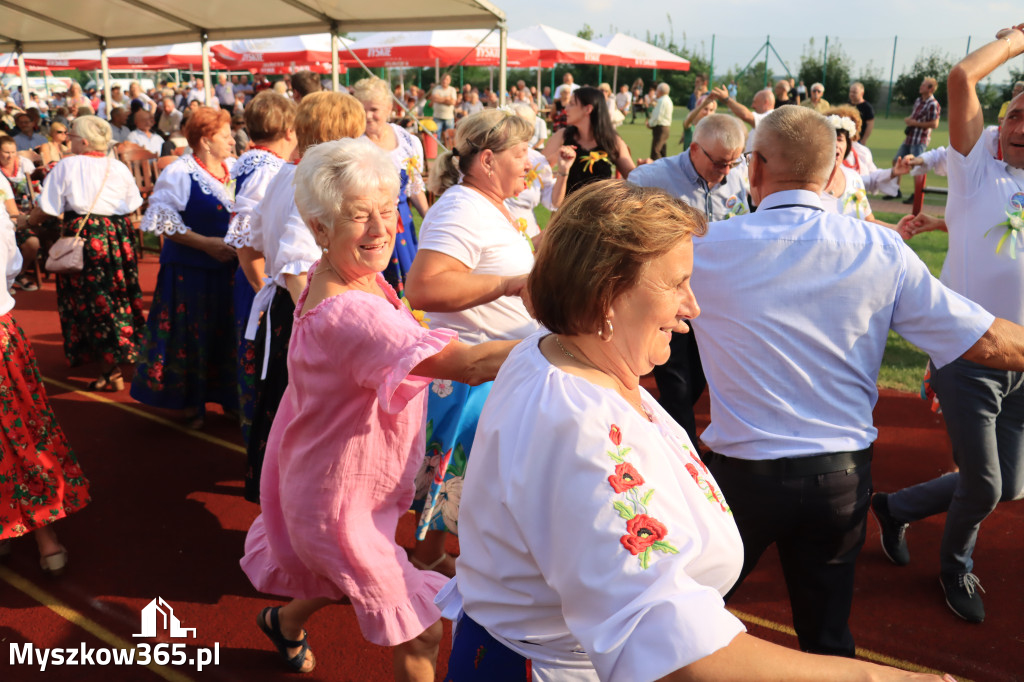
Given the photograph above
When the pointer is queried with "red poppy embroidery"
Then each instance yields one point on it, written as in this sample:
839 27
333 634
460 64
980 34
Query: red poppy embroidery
642 532
616 435
626 477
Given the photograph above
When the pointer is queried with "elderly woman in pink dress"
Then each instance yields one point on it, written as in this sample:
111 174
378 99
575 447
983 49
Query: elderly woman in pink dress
348 438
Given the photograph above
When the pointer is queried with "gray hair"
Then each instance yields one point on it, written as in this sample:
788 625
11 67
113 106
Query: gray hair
800 142
817 85
332 173
371 89
94 130
525 112
722 129
663 88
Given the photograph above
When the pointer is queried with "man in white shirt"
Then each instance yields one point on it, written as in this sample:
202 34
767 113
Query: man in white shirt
117 100
225 92
119 132
143 134
983 407
197 93
567 82
792 355
443 97
660 122
762 104
623 99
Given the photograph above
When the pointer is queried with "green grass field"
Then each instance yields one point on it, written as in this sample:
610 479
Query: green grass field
903 363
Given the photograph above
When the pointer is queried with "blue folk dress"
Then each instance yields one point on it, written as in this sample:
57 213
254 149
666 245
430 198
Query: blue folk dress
252 173
408 159
190 352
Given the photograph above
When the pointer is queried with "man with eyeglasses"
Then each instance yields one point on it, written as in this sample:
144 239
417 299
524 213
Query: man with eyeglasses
709 176
796 307
816 101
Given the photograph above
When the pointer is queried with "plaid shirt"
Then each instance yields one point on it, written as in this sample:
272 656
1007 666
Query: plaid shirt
924 110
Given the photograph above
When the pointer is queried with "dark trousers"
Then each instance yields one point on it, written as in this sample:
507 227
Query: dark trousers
681 382
817 522
659 141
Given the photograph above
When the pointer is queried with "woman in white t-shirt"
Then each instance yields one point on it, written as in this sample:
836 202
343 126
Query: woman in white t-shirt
472 263
845 193
598 545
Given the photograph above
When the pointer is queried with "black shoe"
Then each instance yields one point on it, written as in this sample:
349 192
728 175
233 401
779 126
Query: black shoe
962 597
894 540
909 200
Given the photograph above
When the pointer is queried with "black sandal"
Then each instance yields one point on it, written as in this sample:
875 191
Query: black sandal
273 632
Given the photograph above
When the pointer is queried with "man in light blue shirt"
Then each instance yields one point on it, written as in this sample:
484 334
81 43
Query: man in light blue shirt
710 176
796 307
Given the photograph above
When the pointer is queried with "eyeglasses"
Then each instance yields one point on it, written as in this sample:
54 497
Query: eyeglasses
817 90
723 165
747 156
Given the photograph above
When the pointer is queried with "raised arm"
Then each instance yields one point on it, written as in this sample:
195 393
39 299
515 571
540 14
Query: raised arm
965 115
721 93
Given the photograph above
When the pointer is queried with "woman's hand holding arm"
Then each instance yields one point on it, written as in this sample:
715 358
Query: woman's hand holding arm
468 364
211 246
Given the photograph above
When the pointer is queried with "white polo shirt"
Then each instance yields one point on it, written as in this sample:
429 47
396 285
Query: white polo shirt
984 195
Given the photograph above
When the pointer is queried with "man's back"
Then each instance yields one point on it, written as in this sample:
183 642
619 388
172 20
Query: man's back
811 296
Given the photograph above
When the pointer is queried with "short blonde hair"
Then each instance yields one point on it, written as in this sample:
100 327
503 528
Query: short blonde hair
371 89
597 246
494 129
94 130
328 115
802 144
332 173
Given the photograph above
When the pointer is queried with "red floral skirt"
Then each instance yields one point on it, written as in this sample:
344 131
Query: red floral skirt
40 480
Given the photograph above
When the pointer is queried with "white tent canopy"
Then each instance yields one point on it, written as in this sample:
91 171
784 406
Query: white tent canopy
61 25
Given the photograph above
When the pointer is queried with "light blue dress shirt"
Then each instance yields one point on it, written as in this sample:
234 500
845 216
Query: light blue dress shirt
677 176
796 305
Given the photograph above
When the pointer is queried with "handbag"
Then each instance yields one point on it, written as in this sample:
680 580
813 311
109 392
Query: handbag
67 255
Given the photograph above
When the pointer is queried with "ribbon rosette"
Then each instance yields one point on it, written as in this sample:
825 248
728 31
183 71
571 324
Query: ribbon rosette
1014 223
592 158
532 176
412 165
419 315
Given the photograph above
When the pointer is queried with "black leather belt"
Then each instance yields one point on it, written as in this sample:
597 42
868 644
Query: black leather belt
810 465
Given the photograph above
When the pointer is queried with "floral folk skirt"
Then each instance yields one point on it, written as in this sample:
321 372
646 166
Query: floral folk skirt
244 296
453 410
100 308
40 480
190 340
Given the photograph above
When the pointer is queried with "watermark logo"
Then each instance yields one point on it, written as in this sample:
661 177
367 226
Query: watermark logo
151 613
157 619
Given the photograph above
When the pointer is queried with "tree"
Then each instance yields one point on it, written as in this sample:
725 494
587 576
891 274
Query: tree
832 70
935 64
586 32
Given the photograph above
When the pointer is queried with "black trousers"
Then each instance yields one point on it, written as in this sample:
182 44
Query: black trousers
681 382
818 523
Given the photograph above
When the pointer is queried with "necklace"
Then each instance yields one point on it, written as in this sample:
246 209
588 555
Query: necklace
223 179
637 404
267 150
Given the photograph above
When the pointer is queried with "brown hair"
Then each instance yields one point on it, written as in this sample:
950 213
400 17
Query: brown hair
494 129
324 116
205 122
7 139
596 248
305 83
269 116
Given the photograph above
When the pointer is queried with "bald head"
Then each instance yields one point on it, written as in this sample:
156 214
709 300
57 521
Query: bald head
764 101
800 147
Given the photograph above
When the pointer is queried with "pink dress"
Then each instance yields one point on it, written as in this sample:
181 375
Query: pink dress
341 464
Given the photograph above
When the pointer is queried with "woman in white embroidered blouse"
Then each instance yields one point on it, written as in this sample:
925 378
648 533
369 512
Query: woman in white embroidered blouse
278 232
406 153
190 348
100 307
596 544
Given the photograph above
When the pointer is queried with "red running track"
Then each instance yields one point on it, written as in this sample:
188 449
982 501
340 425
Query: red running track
168 519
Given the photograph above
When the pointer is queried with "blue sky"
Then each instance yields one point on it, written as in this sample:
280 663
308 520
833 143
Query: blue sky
865 30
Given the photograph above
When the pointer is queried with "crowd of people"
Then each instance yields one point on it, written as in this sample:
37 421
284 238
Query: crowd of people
380 361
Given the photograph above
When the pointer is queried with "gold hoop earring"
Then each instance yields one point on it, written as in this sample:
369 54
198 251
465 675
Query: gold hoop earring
606 336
